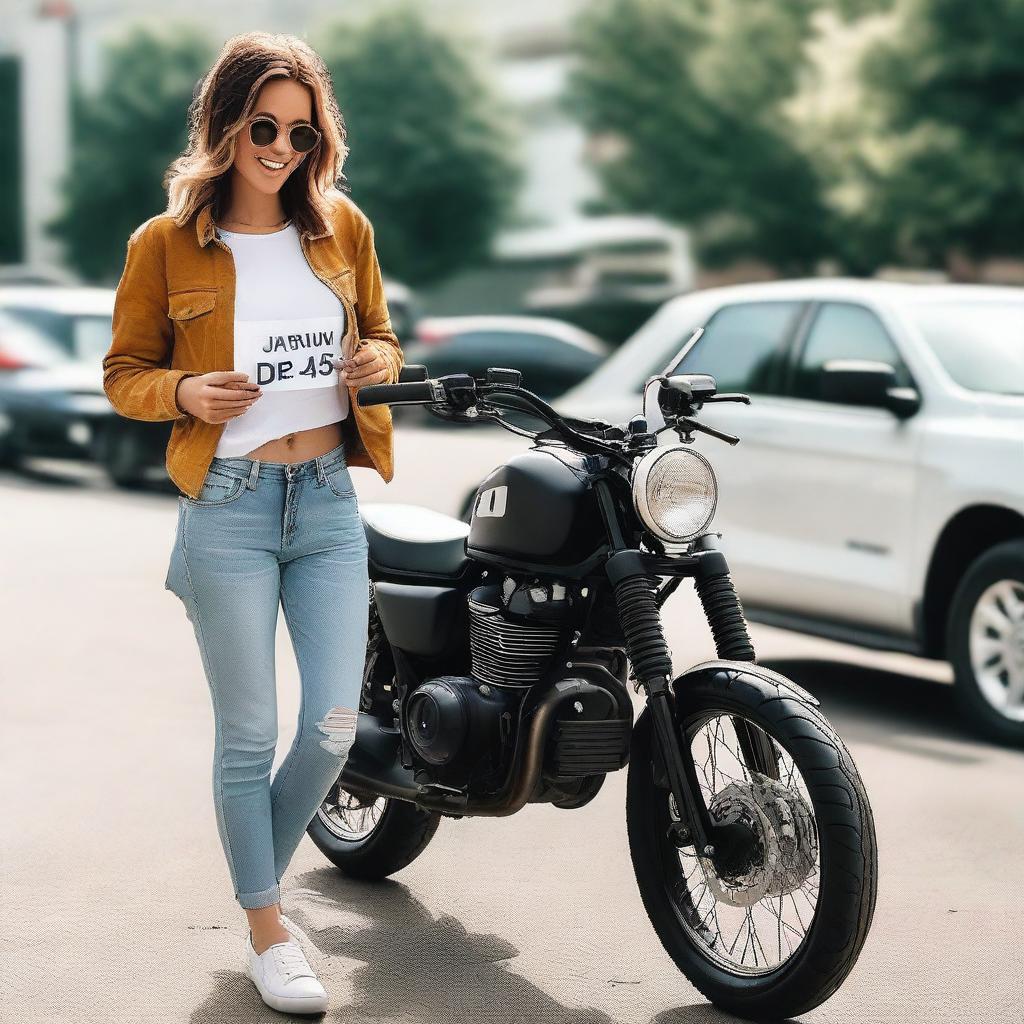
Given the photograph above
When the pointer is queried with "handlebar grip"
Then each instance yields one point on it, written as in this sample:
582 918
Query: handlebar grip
396 394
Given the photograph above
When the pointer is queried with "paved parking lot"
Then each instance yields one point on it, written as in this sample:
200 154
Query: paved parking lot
117 896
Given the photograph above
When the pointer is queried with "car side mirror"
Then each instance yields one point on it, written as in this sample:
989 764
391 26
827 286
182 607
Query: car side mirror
867 382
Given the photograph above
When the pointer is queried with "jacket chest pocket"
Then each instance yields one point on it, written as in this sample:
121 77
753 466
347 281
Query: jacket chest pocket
191 312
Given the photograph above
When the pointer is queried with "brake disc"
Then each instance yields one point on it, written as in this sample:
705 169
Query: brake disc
784 839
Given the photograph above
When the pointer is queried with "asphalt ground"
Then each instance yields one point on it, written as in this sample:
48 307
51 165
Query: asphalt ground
116 895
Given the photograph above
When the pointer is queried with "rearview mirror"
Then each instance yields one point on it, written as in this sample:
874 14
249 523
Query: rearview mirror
692 388
867 382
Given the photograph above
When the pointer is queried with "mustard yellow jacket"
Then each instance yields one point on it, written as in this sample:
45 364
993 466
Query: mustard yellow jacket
174 318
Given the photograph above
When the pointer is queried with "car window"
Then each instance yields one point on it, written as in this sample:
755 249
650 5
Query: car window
92 336
498 348
27 344
549 365
55 326
743 347
518 349
82 336
978 343
844 330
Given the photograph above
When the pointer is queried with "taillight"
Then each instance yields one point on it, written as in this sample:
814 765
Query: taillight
10 361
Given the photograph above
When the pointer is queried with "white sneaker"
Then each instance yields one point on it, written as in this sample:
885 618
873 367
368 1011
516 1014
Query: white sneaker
284 978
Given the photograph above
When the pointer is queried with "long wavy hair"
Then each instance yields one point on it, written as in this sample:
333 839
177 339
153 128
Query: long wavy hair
223 101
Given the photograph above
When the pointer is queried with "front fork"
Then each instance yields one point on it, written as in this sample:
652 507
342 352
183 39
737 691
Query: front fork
634 577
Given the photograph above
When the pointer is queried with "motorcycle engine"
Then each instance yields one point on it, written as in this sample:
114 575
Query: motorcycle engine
453 720
515 629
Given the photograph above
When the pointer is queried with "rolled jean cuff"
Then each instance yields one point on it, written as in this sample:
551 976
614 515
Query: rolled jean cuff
255 900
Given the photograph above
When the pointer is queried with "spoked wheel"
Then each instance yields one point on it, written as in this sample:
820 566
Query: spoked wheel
349 816
770 921
370 837
750 913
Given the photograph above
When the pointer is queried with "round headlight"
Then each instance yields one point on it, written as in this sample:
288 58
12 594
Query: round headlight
674 492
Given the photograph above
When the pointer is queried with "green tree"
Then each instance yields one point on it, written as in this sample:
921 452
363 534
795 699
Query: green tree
841 131
431 159
950 89
123 138
692 96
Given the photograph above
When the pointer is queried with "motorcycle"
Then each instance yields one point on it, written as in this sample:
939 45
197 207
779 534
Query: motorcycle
499 658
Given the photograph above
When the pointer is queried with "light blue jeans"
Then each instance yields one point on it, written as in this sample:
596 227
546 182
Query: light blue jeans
263 534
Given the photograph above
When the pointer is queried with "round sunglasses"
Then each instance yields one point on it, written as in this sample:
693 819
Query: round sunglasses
263 131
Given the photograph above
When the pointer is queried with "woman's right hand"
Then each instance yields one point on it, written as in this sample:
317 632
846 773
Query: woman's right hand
218 396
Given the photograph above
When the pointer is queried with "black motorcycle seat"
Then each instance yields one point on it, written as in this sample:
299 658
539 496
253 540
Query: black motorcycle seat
412 538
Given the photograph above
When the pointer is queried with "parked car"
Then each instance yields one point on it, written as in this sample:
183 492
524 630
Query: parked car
876 496
553 355
57 407
22 348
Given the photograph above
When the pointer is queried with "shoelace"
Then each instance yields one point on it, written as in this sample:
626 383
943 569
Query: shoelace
291 961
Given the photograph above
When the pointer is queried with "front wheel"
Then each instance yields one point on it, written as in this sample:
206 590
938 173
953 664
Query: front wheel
773 925
370 838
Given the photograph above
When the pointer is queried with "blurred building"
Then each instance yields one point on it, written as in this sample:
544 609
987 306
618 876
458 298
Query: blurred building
36 57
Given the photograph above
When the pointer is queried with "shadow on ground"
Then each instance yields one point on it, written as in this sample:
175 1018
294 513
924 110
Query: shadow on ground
412 965
891 709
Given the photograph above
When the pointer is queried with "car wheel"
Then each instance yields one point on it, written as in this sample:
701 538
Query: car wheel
123 459
10 454
986 642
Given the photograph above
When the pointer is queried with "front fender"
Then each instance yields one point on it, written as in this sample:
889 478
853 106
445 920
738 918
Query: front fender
723 674
748 683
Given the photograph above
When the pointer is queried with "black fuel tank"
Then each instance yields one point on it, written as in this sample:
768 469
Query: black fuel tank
538 508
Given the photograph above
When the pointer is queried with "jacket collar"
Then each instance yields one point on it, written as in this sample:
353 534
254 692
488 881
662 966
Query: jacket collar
206 229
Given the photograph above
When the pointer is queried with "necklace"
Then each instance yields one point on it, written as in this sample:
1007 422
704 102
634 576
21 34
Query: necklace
249 224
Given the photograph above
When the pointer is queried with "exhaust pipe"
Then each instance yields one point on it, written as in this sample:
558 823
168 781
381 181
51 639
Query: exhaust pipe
373 767
527 759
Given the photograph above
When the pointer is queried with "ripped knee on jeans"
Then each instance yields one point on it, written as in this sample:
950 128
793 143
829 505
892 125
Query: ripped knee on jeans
339 726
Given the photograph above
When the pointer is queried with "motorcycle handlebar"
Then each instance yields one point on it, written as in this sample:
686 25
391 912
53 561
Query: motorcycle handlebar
427 391
413 391
434 391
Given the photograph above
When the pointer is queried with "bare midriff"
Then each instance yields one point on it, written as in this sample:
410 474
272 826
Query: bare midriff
299 446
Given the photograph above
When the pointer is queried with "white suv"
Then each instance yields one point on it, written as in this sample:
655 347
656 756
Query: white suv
877 493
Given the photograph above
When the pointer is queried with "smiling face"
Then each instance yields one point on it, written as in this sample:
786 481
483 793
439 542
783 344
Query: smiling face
287 102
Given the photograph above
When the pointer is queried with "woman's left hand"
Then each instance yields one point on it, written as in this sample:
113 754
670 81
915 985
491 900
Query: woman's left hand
367 366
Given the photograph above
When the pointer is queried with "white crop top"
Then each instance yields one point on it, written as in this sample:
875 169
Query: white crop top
288 326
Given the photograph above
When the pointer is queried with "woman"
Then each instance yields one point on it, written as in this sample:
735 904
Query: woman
250 312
